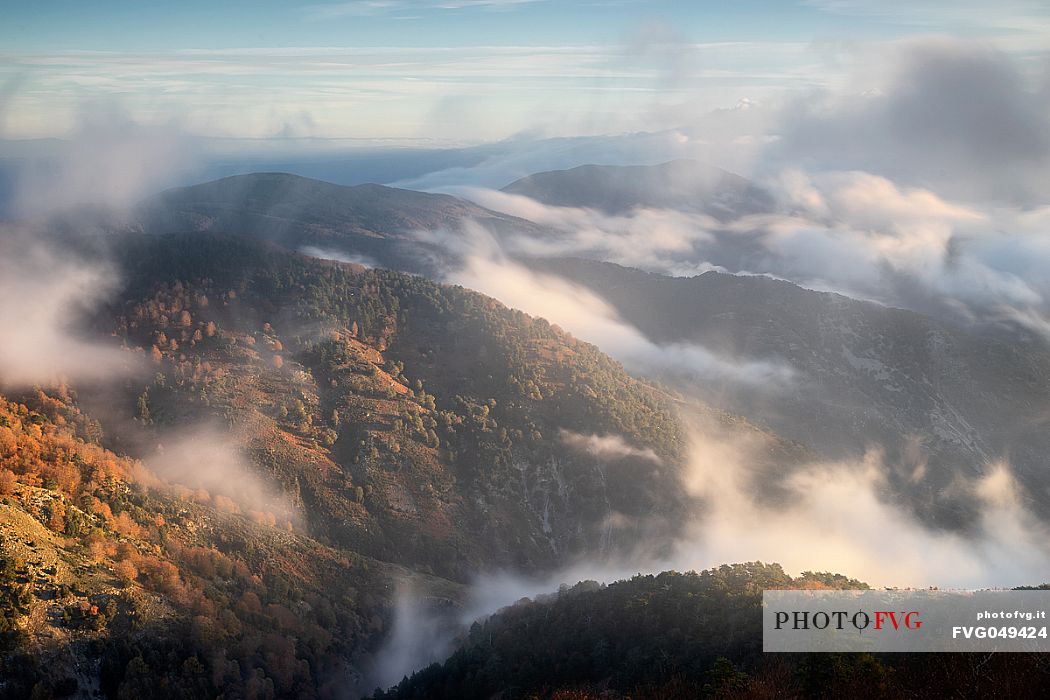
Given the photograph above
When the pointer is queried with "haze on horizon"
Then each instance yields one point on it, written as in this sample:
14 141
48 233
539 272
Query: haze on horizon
455 72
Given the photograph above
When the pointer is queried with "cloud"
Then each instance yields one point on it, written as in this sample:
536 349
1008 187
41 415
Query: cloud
8 89
865 236
653 239
843 517
45 293
108 161
393 92
338 256
958 117
423 633
1019 24
851 232
53 271
910 193
919 182
840 517
56 275
606 447
590 318
728 138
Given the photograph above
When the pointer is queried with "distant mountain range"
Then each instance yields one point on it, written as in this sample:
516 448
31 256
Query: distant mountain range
680 184
377 222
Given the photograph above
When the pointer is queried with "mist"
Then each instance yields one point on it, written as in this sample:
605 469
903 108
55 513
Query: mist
939 208
423 633
958 116
851 232
338 256
844 517
56 273
46 291
584 314
54 266
840 517
211 458
108 161
606 447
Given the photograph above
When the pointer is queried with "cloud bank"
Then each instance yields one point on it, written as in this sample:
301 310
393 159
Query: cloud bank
588 317
927 190
843 517
959 117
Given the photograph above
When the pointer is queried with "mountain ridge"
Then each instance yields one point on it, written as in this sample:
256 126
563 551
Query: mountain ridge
375 221
617 189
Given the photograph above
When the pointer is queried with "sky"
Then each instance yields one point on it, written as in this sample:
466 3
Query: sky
451 71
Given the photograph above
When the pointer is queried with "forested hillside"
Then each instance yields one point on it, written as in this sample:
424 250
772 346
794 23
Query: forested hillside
112 581
675 636
409 417
291 441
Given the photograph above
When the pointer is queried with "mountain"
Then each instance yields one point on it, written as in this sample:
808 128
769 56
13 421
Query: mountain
942 402
294 439
678 184
114 583
444 406
677 636
376 222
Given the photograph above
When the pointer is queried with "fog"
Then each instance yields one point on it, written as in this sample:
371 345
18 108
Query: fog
423 633
918 182
108 161
954 115
45 293
838 517
56 273
825 516
584 314
338 256
211 457
606 447
851 232
843 517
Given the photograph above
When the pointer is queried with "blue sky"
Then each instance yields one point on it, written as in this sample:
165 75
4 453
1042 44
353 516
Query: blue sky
126 25
446 70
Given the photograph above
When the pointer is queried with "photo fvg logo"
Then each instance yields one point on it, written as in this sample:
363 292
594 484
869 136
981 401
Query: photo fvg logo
905 621
841 620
